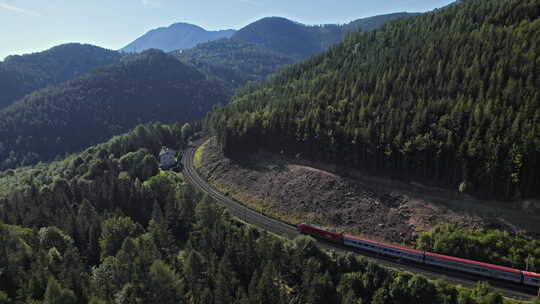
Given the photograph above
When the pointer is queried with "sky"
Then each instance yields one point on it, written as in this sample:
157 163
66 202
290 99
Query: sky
28 26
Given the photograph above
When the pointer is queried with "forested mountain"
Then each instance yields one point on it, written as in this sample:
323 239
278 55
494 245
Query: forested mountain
151 86
106 226
263 47
289 37
234 62
448 97
175 37
375 22
21 75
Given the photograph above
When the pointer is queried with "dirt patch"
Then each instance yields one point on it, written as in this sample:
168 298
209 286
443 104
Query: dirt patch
381 209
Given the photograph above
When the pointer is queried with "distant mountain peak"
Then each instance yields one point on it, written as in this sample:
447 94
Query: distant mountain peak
176 36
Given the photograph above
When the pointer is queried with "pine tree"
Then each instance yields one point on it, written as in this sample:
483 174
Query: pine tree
56 294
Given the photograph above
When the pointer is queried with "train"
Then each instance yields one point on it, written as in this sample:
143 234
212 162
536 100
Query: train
424 257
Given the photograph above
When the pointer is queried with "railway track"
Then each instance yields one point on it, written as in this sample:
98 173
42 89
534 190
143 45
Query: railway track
248 215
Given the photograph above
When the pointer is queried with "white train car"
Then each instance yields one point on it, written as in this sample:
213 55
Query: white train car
439 260
384 248
484 269
531 279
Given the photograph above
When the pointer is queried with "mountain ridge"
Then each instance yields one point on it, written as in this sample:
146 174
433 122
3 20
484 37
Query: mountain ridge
23 74
443 100
258 50
177 36
151 86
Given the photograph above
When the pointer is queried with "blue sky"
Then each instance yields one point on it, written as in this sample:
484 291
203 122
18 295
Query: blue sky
29 25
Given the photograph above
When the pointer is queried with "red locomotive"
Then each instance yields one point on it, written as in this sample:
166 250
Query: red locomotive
321 233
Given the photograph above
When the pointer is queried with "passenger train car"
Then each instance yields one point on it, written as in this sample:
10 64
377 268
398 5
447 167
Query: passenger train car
424 257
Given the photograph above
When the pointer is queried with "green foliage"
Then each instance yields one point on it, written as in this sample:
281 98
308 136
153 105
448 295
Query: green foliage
165 285
114 231
4 299
52 237
21 75
375 22
235 63
443 97
151 86
289 37
187 131
491 246
98 301
161 241
56 294
263 47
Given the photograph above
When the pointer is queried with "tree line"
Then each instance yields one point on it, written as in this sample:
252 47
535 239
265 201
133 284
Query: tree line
147 87
490 246
22 75
107 226
448 97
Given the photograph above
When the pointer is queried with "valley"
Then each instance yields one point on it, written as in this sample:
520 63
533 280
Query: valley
232 155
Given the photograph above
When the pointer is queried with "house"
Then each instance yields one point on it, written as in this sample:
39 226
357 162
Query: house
167 158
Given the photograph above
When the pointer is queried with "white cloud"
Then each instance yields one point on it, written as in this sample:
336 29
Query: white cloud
151 3
19 10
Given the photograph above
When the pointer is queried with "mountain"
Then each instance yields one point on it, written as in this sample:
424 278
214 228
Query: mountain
234 62
444 100
21 75
263 47
301 41
178 36
288 37
151 86
375 22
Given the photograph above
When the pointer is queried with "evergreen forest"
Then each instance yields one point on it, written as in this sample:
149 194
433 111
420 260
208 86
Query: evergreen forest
56 121
233 62
107 226
489 246
22 75
263 47
448 97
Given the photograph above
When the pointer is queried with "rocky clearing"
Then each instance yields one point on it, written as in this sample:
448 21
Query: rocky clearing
378 208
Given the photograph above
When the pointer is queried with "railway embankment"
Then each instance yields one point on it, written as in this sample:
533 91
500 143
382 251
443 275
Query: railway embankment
296 190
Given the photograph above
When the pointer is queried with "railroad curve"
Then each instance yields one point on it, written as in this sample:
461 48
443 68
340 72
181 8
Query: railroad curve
289 231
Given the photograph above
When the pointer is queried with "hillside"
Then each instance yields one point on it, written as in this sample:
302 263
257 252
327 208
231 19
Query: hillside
375 22
260 49
288 37
447 98
151 86
21 75
234 62
106 226
298 190
178 36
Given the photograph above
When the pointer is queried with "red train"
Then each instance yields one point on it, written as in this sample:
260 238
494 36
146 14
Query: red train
424 257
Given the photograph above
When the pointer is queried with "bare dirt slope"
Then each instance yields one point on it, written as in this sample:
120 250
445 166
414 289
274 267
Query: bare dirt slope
382 209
